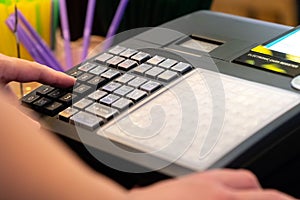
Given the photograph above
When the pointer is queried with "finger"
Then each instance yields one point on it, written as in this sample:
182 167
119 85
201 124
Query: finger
236 179
262 195
14 69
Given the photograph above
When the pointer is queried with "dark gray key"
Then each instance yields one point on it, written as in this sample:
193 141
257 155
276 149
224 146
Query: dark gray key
103 57
167 64
45 89
98 94
68 98
109 99
150 86
57 93
155 60
42 102
111 74
98 70
141 69
167 76
82 89
28 99
67 113
127 65
53 108
112 86
102 111
97 81
154 72
122 91
122 104
128 53
113 62
136 95
87 67
85 77
141 57
75 73
117 50
86 120
83 103
182 68
137 82
125 78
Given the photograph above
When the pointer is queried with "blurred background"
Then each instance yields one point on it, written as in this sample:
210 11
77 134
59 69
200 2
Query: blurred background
278 11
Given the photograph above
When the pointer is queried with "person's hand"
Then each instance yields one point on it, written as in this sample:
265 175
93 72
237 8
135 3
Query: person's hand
211 185
14 69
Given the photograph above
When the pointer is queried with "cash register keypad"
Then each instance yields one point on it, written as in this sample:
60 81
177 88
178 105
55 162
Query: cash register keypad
106 86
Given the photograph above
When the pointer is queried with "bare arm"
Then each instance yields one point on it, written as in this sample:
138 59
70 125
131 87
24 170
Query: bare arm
36 166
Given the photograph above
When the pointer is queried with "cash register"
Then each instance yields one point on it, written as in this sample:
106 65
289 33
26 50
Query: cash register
206 90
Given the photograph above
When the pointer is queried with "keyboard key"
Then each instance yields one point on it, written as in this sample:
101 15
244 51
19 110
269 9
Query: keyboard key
57 93
156 60
117 50
112 86
83 103
54 108
182 68
150 86
98 94
141 69
42 102
122 104
127 65
74 72
97 82
137 82
87 67
167 64
122 91
102 111
98 70
82 89
111 74
141 57
85 77
137 95
103 58
67 113
30 98
68 98
86 120
113 62
154 72
109 99
128 53
45 89
125 78
167 76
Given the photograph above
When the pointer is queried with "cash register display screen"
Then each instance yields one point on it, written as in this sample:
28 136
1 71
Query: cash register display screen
287 44
199 45
280 55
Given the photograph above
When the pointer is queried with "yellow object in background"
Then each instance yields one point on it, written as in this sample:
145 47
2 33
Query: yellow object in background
37 12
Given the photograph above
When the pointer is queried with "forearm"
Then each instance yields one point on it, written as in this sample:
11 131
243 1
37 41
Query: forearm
36 166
